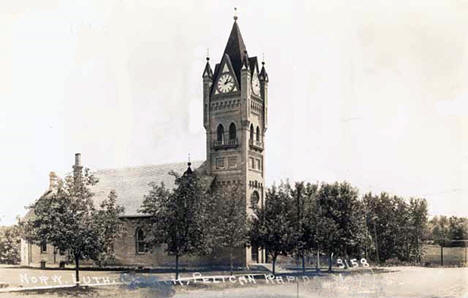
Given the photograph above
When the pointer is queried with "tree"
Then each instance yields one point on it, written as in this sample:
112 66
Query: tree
10 245
178 216
382 224
341 224
400 228
271 226
68 220
458 228
303 219
417 209
229 219
110 226
397 226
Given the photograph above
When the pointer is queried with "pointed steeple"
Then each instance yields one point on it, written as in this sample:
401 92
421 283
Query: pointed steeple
189 169
263 74
207 73
235 49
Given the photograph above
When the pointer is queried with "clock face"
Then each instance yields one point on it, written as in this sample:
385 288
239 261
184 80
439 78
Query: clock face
225 83
255 85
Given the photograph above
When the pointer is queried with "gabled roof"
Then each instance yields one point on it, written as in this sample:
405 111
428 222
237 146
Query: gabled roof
236 49
225 62
30 211
132 184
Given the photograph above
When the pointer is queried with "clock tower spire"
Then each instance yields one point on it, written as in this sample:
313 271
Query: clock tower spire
234 103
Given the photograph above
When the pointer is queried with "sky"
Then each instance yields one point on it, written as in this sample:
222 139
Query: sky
370 92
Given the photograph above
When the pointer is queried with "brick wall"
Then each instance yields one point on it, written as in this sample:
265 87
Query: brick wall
126 252
31 255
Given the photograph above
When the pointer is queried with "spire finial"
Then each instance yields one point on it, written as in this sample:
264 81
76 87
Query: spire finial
207 54
263 58
189 169
235 14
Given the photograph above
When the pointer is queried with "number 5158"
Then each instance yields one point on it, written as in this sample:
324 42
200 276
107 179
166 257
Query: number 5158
354 263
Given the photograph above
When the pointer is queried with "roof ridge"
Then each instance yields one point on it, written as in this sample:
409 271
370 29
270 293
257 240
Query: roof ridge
148 166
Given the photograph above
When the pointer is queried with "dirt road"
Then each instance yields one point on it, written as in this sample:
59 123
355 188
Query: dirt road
394 282
397 282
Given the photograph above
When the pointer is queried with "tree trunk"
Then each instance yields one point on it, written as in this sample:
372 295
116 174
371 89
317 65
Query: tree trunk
230 259
329 262
177 266
418 255
407 249
303 265
274 263
317 266
376 245
77 270
441 255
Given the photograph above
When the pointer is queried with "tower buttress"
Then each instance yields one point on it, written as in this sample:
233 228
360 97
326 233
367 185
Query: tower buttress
245 92
207 83
263 78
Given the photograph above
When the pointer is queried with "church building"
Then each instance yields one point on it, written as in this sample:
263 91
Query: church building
235 105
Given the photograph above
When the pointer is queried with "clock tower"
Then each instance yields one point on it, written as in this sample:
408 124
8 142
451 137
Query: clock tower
235 105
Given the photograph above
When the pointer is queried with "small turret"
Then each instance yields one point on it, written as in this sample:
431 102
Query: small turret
189 169
208 73
263 78
207 83
77 167
53 179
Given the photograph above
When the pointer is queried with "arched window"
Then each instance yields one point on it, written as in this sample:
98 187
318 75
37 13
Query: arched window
43 247
254 198
251 132
258 134
232 131
220 134
141 246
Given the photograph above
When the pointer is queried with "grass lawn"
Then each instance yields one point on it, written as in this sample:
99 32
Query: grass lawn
453 256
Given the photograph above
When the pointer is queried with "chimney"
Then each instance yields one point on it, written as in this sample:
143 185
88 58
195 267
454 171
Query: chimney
52 181
77 159
77 168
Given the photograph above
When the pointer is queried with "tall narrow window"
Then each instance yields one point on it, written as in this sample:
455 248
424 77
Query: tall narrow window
255 198
220 134
43 247
258 134
251 132
140 243
232 131
254 253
